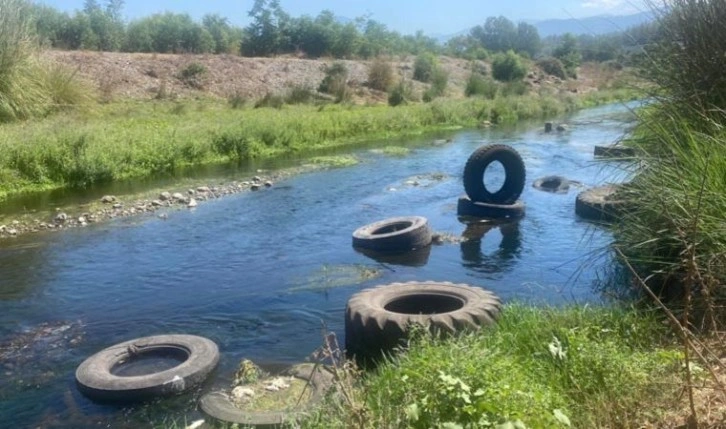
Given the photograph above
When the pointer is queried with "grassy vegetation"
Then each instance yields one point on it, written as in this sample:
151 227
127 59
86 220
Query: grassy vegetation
124 140
30 86
538 368
676 235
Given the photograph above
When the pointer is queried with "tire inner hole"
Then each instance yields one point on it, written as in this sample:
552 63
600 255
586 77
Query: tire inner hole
150 361
393 227
424 304
494 177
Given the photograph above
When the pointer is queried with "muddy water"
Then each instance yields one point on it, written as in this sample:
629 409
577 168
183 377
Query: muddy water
260 272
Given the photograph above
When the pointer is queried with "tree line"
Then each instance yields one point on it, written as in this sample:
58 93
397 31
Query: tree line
272 31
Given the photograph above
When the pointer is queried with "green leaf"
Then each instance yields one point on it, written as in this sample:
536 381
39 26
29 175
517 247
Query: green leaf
451 425
562 418
412 412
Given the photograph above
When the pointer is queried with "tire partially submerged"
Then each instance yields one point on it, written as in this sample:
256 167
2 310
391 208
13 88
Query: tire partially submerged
412 258
377 319
555 184
97 377
514 170
219 405
600 203
467 208
398 234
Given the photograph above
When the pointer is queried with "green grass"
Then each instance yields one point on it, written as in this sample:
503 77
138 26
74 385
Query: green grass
591 367
125 140
677 227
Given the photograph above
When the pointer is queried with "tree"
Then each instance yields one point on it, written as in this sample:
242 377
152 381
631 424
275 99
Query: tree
265 34
498 34
568 52
527 39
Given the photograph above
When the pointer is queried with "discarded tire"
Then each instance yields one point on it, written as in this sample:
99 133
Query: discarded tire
477 164
600 204
377 319
412 258
614 151
219 406
466 207
101 376
398 234
556 184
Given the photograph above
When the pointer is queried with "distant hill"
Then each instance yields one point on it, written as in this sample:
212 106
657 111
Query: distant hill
600 24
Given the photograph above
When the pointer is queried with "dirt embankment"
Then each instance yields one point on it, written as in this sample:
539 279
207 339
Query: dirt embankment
147 76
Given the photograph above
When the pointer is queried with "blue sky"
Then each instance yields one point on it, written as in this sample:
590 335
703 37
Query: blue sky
406 16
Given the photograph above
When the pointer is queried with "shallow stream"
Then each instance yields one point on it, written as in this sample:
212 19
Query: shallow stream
260 272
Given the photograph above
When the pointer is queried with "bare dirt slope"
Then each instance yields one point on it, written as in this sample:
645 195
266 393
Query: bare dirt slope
146 76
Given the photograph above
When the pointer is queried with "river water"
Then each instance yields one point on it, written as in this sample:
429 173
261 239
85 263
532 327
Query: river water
259 273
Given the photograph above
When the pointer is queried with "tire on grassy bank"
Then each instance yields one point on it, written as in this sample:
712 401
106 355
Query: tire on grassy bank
101 377
378 319
398 234
476 166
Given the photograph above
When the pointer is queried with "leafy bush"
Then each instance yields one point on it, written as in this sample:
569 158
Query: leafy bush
515 88
424 67
192 71
237 100
478 85
553 67
270 100
380 74
299 94
400 94
438 85
335 82
508 67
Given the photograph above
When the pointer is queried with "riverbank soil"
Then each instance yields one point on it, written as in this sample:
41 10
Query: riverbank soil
147 76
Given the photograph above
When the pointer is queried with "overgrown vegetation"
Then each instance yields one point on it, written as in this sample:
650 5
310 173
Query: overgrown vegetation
538 368
28 85
675 235
380 74
120 140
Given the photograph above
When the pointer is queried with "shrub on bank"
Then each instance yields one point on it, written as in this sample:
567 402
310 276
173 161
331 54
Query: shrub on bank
507 67
380 74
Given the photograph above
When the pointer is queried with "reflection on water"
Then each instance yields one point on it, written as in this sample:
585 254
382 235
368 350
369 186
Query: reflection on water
480 256
412 258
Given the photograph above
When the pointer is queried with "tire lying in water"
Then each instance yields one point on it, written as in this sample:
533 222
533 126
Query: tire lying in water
600 203
477 164
101 377
412 258
376 319
556 184
467 208
219 406
398 234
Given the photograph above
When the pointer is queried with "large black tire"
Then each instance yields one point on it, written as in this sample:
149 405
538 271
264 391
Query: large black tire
95 380
555 184
477 164
219 406
398 234
467 208
377 319
600 204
